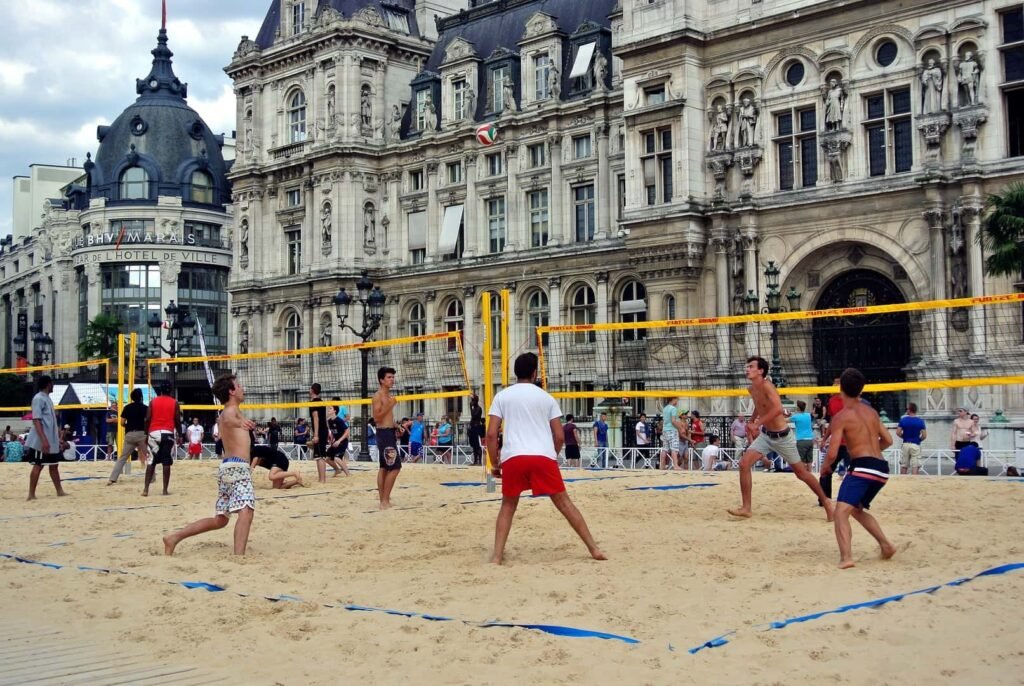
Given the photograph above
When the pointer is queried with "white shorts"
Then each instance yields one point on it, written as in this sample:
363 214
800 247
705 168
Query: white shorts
785 446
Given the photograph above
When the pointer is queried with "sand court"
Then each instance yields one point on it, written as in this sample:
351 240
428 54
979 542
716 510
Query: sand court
302 606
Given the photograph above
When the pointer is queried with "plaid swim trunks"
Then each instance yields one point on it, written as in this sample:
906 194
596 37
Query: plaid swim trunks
234 483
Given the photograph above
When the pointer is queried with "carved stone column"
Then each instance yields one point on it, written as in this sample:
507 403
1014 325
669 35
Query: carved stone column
514 226
434 215
935 216
473 233
555 301
470 344
561 229
604 189
602 350
720 242
971 218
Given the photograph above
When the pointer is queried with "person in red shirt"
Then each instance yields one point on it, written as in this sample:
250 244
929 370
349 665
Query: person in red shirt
162 417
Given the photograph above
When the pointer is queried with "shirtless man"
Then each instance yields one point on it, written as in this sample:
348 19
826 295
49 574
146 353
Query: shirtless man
270 458
866 437
234 477
390 460
773 435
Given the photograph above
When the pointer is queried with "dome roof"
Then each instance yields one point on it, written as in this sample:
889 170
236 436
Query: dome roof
164 137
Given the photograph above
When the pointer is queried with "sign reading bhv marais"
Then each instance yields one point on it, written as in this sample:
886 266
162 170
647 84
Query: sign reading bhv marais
128 244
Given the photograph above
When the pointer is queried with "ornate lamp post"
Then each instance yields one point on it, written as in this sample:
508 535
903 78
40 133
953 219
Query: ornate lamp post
372 299
773 305
179 337
42 343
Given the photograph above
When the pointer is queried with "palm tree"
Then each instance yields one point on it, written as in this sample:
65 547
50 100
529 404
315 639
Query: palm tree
1002 232
100 339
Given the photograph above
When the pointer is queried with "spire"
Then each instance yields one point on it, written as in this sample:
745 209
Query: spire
163 14
161 81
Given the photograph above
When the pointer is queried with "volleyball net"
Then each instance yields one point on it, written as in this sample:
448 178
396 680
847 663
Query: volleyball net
82 385
967 343
431 366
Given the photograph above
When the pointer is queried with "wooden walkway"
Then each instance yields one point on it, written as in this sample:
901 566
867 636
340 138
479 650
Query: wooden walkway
42 656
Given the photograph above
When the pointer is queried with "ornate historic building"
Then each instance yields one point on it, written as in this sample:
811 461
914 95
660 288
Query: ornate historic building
652 157
146 223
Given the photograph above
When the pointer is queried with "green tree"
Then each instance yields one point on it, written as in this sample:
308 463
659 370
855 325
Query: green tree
1002 232
15 390
100 339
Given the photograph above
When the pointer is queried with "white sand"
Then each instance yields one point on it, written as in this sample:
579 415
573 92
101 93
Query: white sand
681 572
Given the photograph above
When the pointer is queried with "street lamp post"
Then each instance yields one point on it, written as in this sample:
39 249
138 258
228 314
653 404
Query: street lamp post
773 305
179 337
42 344
372 299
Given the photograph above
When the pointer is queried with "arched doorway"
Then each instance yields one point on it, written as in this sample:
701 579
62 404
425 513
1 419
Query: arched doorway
877 345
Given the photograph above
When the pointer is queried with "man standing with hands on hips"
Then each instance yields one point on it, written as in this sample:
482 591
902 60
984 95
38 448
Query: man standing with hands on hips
533 437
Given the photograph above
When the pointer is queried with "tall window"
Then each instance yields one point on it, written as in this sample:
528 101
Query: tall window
538 155
584 311
204 291
670 307
396 19
889 128
416 180
496 320
421 109
134 184
297 117
633 308
202 187
454 172
537 314
293 331
130 292
1012 53
293 239
581 147
418 327
459 100
796 144
583 203
538 218
453 321
496 224
495 164
298 17
499 75
293 197
657 165
541 74
621 186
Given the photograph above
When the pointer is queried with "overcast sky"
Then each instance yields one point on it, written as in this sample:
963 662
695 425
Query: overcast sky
68 65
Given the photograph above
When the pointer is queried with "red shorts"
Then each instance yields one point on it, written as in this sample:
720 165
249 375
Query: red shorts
195 448
531 472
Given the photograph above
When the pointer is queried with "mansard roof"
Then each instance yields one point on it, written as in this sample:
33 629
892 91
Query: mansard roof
347 8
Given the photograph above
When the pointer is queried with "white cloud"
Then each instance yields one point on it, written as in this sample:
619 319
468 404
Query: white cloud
12 75
219 113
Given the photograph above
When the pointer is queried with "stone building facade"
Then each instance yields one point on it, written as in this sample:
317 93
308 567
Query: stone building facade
652 157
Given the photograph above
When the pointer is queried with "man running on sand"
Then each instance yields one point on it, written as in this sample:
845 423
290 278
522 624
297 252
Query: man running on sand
387 440
775 436
866 437
235 491
533 437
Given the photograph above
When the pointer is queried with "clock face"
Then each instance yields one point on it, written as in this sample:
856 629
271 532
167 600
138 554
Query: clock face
154 83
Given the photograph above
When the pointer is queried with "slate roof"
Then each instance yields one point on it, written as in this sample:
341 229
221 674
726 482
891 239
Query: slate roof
347 8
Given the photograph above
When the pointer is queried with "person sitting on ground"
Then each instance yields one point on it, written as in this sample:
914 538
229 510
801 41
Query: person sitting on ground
968 461
710 455
269 458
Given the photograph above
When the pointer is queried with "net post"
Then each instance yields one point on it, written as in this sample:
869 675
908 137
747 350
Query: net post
119 430
485 315
504 337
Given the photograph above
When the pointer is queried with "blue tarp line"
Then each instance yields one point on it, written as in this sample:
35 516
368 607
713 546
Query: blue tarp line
555 630
1009 478
82 478
994 571
671 487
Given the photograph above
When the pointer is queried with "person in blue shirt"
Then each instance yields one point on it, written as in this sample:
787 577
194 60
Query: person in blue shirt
803 423
912 430
601 439
416 438
967 461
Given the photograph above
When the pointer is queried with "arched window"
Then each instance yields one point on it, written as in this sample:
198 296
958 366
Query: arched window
670 307
293 331
633 308
584 311
537 314
134 184
418 327
297 117
495 321
202 187
453 321
243 337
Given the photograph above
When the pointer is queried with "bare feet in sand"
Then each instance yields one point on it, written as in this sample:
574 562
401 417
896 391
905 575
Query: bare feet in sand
597 554
845 564
387 506
740 512
31 497
169 544
888 550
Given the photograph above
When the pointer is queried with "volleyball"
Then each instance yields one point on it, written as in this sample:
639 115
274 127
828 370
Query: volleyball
487 134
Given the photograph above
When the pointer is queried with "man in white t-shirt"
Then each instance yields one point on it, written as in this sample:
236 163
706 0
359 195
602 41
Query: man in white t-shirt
533 437
642 441
711 456
195 439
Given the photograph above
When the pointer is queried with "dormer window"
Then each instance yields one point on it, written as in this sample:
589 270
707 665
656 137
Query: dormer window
499 76
459 100
581 74
202 188
396 19
541 76
655 95
298 17
134 184
421 109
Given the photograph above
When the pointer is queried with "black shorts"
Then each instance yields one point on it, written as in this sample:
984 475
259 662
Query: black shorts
338 451
164 454
269 457
219 447
572 452
320 449
37 457
387 449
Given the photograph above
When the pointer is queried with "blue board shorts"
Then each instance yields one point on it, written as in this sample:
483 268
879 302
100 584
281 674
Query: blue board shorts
867 476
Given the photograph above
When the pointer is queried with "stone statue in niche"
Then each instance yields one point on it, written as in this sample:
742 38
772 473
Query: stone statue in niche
968 73
719 129
366 107
508 96
325 223
554 82
430 112
369 227
748 123
354 120
600 70
330 106
470 103
957 254
395 125
244 238
834 96
931 88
